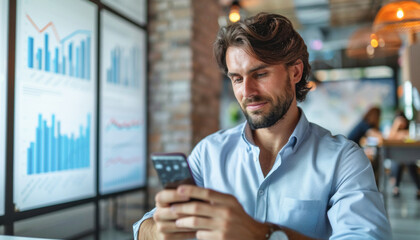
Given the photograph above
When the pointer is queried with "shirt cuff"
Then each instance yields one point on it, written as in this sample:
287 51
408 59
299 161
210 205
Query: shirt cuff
136 226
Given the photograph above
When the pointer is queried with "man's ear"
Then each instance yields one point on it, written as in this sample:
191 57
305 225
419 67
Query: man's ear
296 71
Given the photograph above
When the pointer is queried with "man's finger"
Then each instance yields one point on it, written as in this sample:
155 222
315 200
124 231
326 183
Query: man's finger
194 222
196 208
165 214
170 227
166 197
207 195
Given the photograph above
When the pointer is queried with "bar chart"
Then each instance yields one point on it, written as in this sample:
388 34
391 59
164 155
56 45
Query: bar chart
70 56
122 154
55 102
53 151
122 53
124 67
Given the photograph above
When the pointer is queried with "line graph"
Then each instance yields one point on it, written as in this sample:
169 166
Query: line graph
123 116
71 53
55 102
122 156
113 124
50 24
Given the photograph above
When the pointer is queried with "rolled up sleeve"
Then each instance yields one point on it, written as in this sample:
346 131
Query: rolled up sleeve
357 208
136 226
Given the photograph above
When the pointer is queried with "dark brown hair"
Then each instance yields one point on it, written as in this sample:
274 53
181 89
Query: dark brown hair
269 38
372 117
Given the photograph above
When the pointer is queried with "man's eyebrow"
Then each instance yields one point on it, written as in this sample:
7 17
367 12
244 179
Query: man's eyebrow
259 67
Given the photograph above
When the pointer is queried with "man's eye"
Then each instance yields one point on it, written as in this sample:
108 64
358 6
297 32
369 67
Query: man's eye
236 80
259 75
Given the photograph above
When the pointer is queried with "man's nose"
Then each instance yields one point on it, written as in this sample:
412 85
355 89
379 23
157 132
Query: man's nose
249 88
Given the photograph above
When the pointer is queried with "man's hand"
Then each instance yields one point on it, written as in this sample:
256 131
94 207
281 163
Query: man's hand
219 216
165 218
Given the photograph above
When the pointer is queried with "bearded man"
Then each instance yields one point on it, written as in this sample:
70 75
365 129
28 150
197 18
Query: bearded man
276 176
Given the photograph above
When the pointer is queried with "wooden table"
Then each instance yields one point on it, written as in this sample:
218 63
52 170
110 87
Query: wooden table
399 151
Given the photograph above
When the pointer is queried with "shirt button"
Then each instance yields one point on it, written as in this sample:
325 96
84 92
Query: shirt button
261 192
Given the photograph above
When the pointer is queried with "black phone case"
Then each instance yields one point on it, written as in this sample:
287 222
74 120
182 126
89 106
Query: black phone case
172 169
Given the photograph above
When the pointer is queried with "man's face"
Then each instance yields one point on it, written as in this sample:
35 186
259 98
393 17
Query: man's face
265 92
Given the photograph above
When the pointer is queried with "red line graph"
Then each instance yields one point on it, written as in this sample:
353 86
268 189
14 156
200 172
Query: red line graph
133 123
40 30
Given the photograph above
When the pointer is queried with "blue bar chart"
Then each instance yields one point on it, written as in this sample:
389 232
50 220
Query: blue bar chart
54 151
55 102
124 68
59 59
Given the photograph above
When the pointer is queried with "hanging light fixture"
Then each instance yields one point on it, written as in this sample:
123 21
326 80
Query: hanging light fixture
234 13
399 16
364 43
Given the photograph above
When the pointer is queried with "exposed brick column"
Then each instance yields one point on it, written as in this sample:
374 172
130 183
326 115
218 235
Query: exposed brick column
207 79
184 80
170 75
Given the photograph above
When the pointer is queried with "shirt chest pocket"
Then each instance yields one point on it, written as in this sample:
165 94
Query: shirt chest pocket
300 215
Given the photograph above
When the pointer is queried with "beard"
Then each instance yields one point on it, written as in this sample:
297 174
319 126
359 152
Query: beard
278 109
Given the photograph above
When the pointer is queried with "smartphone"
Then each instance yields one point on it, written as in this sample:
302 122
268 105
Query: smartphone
172 169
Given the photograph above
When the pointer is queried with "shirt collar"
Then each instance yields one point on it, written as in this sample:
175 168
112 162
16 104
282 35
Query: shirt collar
247 135
295 139
300 131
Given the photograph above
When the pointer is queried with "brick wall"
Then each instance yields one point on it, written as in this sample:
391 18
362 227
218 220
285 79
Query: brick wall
207 79
184 80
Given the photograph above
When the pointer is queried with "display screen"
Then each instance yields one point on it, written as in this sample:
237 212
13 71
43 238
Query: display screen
340 105
55 102
3 98
134 9
123 105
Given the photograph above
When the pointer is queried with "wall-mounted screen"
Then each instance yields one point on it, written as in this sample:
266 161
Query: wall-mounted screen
123 105
134 9
3 98
55 102
340 105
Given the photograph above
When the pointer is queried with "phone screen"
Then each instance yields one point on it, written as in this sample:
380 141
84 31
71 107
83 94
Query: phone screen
172 169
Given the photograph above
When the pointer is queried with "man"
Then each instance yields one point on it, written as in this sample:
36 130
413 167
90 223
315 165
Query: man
277 176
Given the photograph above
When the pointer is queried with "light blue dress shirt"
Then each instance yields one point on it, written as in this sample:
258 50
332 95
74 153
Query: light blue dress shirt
320 185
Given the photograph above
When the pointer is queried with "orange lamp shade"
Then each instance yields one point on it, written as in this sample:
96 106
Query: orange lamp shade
400 16
364 44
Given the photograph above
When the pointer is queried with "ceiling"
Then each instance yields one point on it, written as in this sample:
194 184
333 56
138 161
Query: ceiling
330 22
325 13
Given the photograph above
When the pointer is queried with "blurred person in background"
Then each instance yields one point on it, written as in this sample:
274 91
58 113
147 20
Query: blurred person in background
399 131
366 134
368 126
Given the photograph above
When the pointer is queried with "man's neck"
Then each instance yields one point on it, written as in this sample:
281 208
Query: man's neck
272 139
